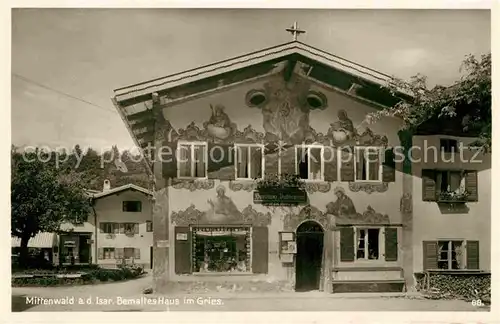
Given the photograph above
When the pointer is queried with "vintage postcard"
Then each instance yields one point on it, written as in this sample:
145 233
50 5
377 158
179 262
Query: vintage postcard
251 160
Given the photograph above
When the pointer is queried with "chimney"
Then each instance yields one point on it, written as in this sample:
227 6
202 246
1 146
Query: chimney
106 186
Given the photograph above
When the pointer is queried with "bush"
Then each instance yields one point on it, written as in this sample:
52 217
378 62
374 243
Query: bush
90 277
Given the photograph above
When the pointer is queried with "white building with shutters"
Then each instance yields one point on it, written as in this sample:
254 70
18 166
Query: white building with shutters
118 231
451 202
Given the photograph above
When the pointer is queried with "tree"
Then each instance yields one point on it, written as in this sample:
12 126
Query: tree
43 197
467 102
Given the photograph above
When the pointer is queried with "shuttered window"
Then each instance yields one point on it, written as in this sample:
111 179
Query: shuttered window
168 156
471 185
182 250
309 162
260 249
368 166
430 255
389 166
428 185
391 244
450 255
472 254
346 244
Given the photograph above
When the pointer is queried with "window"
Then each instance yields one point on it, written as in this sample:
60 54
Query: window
132 206
367 243
221 249
109 253
309 162
149 226
451 255
450 181
368 166
448 145
128 253
130 228
109 228
191 160
249 161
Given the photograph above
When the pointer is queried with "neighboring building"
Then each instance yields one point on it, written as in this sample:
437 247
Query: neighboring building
451 202
123 232
283 110
43 244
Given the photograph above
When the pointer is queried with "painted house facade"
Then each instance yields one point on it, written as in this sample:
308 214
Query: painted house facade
452 198
222 136
118 231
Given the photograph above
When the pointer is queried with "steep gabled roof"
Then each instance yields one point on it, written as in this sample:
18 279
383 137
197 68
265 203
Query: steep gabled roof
120 189
135 102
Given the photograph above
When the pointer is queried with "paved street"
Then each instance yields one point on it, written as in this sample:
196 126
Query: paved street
126 296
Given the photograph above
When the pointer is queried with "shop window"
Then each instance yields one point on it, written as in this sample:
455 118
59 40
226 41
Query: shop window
191 160
368 166
249 161
132 206
309 162
221 250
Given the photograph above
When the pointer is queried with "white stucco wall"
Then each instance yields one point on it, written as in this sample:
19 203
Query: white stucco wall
428 221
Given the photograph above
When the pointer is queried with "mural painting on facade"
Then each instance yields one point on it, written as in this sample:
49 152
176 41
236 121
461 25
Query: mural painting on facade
368 187
219 127
222 210
292 220
345 212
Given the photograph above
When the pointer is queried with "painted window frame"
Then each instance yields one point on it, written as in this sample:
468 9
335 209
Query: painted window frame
381 246
450 259
248 146
322 169
365 149
191 145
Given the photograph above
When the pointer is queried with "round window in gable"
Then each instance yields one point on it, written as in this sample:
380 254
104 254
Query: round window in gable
316 100
256 98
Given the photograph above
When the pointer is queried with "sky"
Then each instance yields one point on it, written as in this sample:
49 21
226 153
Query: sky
67 62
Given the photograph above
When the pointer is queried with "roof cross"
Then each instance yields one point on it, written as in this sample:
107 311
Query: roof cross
295 31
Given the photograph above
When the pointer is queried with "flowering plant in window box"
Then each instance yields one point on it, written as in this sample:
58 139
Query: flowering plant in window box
453 196
275 181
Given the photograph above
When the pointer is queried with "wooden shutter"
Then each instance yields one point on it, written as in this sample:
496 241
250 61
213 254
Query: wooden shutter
136 228
260 249
121 227
182 251
347 165
471 185
221 156
168 157
119 253
391 244
330 158
473 255
430 253
101 227
428 185
389 166
137 253
100 253
346 244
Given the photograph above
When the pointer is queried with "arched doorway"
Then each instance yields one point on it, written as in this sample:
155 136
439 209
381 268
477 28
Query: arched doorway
309 256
